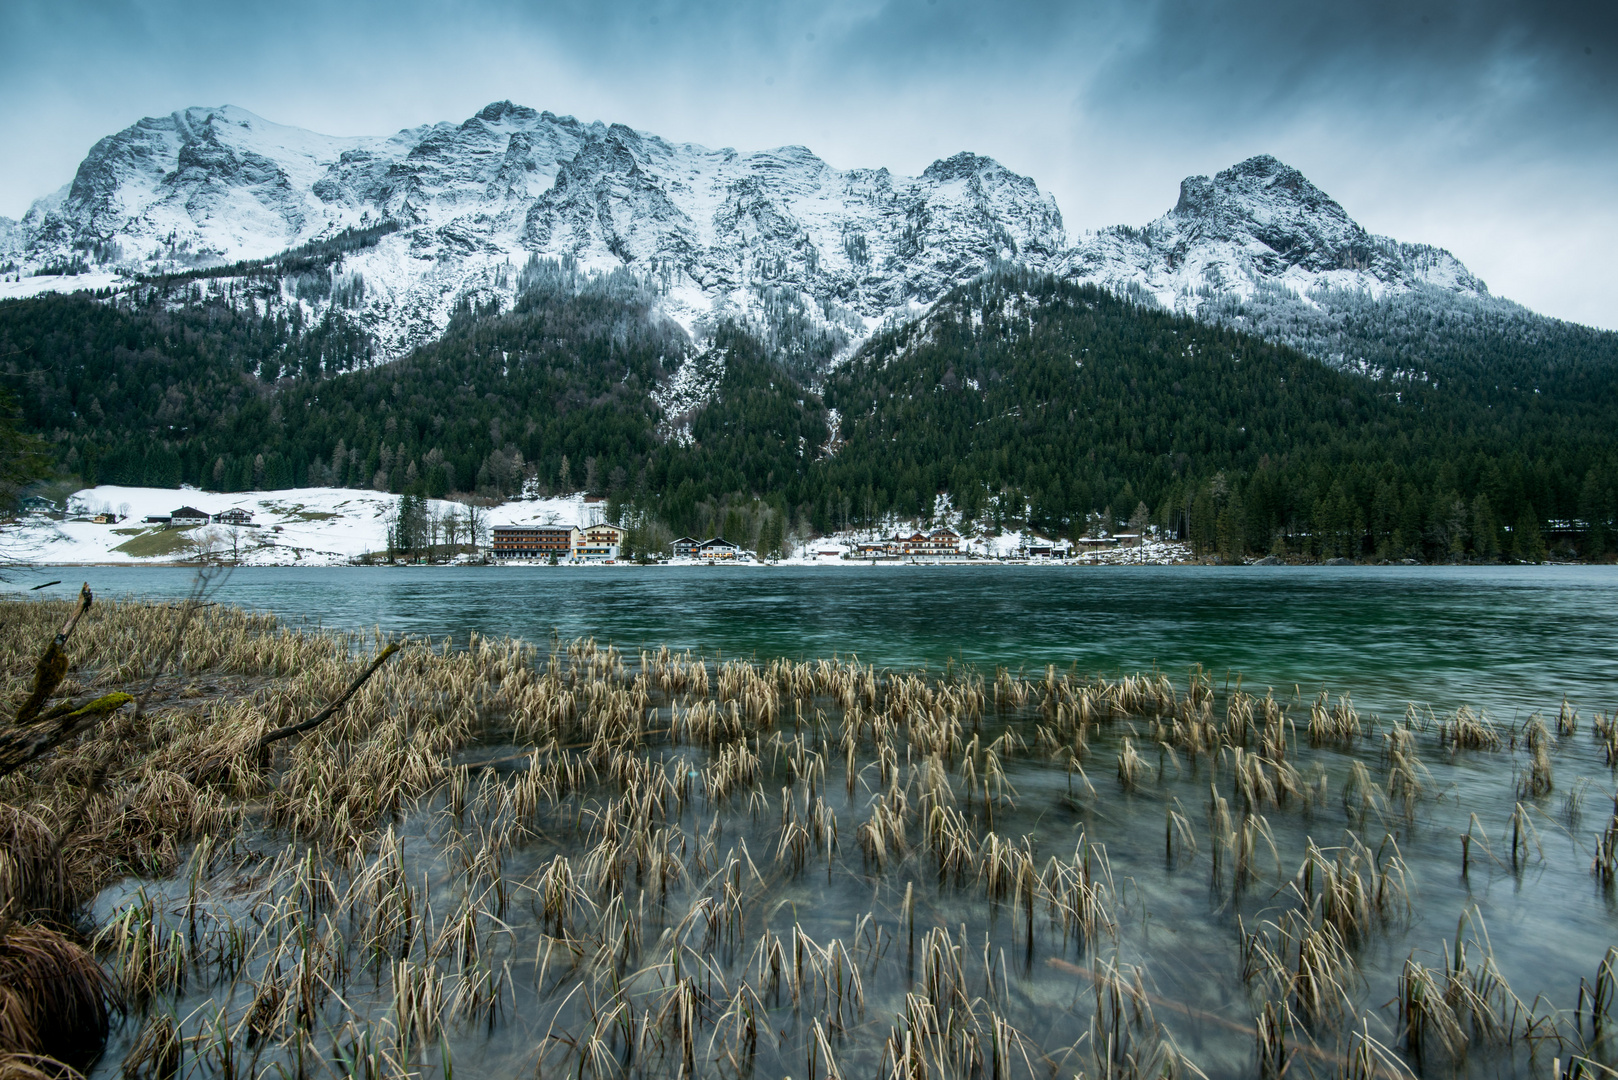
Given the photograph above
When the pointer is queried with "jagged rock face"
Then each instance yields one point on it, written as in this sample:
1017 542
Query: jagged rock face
216 184
715 228
719 232
1259 223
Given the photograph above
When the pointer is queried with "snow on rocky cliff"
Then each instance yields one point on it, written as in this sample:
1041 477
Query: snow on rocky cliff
711 228
716 232
1255 224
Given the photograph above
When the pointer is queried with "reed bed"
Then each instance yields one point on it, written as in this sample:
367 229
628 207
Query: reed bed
514 860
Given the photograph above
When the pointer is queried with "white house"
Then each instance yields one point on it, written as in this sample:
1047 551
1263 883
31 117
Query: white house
718 550
597 543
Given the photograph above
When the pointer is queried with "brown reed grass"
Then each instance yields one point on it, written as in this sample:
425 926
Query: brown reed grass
54 997
655 938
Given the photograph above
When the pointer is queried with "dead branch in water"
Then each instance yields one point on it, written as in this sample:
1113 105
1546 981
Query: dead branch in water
326 713
36 732
19 747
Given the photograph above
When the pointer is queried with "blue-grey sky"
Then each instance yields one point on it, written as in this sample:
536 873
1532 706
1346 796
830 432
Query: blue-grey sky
1486 127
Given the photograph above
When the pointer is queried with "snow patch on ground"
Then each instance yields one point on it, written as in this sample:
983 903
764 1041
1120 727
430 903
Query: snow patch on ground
59 283
300 526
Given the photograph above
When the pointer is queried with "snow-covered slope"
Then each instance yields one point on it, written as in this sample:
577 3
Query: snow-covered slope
208 186
455 211
337 526
302 526
1255 225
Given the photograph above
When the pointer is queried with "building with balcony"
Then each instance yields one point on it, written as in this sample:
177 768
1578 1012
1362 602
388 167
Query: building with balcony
719 550
597 543
531 543
938 544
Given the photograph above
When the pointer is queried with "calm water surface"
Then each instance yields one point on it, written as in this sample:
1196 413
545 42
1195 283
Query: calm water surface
1506 638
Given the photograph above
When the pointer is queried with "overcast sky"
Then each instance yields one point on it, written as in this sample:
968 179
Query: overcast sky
1487 128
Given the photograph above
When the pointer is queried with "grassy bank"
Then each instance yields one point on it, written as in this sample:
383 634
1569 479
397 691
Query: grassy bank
509 860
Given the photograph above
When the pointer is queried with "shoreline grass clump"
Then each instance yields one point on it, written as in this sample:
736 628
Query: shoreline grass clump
295 853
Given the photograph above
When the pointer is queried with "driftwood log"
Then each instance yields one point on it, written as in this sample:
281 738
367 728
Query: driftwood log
214 766
52 666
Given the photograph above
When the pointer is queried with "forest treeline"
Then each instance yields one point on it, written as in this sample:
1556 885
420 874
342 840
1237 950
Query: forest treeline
1020 399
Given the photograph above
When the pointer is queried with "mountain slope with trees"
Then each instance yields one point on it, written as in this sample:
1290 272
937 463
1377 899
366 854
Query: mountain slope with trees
1021 398
1071 401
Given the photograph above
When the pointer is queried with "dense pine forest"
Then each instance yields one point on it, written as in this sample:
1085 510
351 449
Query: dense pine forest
1019 399
1076 402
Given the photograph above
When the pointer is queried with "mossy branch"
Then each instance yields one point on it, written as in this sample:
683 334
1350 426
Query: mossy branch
21 745
52 666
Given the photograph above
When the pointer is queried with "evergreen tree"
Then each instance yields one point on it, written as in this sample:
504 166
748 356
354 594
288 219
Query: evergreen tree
1527 542
23 457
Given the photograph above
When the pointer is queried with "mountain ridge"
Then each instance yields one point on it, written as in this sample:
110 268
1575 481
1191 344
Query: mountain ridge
763 236
204 187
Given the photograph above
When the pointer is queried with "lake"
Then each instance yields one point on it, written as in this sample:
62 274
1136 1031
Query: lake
1506 638
1208 852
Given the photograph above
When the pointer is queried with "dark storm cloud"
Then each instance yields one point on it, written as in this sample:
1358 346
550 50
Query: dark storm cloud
1546 70
1490 128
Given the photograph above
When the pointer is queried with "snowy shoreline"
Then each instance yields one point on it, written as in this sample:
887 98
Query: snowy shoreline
338 526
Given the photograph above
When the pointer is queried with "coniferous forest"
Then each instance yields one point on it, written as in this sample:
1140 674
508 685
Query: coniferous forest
1020 398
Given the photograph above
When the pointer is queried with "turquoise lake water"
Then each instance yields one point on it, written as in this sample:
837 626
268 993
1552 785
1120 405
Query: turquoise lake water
1510 639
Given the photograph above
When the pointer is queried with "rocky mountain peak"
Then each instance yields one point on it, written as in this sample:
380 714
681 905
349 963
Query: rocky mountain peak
768 234
1258 192
1260 223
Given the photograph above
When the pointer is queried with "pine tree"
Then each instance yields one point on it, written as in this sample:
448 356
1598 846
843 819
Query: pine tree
1527 542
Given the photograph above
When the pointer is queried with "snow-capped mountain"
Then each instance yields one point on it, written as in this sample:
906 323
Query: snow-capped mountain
1255 225
454 211
715 229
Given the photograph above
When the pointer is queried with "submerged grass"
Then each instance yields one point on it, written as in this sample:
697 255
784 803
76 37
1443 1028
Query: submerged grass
511 860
